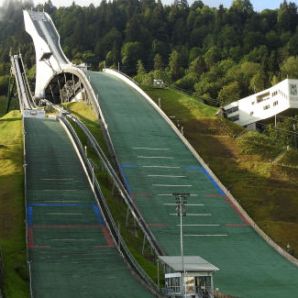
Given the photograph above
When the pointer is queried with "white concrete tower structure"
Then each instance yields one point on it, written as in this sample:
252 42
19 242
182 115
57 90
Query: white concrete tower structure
50 59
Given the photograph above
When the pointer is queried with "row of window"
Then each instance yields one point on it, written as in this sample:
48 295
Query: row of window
232 110
266 107
266 96
235 109
234 118
263 97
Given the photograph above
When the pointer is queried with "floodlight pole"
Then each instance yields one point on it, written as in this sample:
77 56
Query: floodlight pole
181 201
181 247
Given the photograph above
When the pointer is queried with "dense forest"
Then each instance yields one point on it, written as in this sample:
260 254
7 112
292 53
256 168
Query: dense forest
214 53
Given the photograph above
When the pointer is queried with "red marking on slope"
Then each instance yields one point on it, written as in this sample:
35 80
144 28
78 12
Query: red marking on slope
65 226
236 225
215 195
237 210
107 235
31 242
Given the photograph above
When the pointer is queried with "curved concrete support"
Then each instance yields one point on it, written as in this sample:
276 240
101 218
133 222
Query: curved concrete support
50 59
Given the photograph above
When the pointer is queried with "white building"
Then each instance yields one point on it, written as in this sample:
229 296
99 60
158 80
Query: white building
279 99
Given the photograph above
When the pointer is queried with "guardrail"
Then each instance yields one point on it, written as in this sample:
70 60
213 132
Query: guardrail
120 187
102 204
25 198
94 100
23 90
116 181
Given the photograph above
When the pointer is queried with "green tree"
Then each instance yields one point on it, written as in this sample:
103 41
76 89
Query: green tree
290 68
212 56
198 66
229 93
158 63
257 82
287 16
274 80
131 52
175 70
243 6
140 68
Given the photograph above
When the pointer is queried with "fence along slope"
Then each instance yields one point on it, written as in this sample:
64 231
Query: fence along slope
155 163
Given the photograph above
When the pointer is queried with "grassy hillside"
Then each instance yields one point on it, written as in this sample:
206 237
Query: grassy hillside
261 175
12 230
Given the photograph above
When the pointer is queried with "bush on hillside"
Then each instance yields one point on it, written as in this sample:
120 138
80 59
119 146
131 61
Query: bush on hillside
255 143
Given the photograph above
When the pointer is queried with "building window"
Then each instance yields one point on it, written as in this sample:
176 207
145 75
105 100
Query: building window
293 89
232 110
234 118
263 96
275 103
266 107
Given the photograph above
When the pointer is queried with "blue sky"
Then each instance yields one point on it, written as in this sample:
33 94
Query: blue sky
258 4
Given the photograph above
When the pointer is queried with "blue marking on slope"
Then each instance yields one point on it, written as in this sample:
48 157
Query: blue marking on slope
54 205
98 214
128 165
122 172
217 187
193 168
29 216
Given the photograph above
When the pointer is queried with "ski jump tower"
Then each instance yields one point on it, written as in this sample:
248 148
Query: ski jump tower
50 59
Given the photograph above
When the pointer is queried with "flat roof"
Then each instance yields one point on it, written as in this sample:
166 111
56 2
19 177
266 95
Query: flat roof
191 263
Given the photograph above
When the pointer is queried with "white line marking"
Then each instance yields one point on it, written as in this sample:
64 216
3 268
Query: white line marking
71 190
193 214
162 167
206 235
200 225
54 179
49 202
171 195
167 176
63 213
172 185
190 205
70 239
150 148
155 157
165 195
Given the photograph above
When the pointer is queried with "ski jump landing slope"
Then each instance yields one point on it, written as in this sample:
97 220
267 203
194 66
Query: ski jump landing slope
70 249
155 163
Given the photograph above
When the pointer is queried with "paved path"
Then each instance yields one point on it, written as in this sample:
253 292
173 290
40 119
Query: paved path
70 247
155 163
